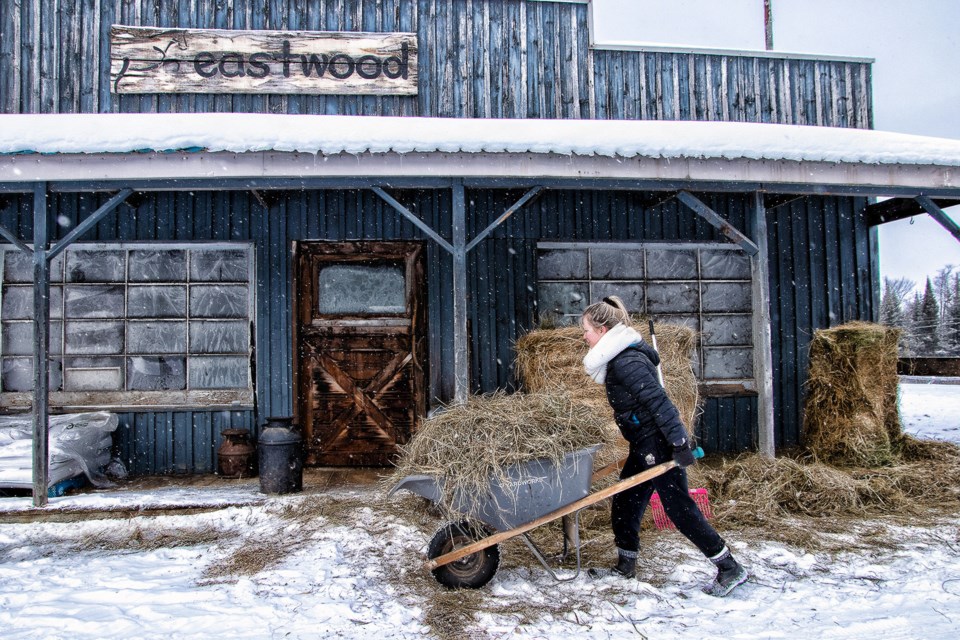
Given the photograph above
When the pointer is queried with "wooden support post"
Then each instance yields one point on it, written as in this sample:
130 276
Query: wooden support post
762 349
460 363
41 346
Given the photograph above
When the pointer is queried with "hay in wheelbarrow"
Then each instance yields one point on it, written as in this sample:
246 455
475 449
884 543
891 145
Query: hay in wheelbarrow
467 445
850 414
552 360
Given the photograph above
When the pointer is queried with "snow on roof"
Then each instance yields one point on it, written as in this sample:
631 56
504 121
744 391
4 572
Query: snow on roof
327 135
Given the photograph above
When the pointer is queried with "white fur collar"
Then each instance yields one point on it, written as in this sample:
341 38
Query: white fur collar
607 348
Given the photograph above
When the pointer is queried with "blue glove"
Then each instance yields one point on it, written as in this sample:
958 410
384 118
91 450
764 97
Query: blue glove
683 456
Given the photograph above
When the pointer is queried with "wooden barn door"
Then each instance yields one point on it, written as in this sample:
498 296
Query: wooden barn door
360 349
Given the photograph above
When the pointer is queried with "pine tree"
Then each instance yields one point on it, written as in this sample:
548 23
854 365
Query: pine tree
891 311
952 324
928 322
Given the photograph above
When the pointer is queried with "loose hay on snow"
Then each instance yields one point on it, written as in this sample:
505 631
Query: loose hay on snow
850 414
467 445
552 360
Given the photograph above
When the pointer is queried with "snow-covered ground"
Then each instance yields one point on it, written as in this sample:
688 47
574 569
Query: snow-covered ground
341 564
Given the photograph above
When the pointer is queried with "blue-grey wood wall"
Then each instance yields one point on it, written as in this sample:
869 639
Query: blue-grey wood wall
478 58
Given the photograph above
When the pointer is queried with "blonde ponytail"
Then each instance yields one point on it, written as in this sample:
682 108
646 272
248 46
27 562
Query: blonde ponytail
608 313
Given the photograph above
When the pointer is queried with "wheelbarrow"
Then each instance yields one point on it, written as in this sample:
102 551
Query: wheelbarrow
531 494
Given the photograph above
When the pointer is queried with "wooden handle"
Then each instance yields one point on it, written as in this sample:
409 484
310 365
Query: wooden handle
586 501
603 472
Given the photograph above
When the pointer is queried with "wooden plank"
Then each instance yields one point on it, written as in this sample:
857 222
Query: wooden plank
11 57
593 498
146 60
762 345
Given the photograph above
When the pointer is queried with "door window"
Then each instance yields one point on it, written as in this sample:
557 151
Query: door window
361 289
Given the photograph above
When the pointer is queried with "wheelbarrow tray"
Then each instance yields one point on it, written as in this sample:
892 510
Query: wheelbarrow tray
521 493
567 509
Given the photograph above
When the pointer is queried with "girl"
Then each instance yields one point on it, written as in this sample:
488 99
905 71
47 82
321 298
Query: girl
621 360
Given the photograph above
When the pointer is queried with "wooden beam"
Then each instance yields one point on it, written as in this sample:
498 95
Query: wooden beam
41 346
937 214
461 365
13 239
774 200
417 222
503 217
899 208
762 342
87 224
717 221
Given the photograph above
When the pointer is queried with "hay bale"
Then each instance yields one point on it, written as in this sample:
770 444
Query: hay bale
850 414
466 445
552 360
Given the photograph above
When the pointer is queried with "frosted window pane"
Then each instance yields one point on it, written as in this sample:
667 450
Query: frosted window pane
96 266
562 298
162 373
95 337
158 265
671 264
18 267
18 303
718 265
218 373
631 294
218 265
723 296
562 264
95 301
18 338
218 301
361 289
18 374
727 330
93 374
619 264
157 337
727 364
219 337
157 302
672 298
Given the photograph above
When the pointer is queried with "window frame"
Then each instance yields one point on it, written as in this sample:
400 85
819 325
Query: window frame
196 397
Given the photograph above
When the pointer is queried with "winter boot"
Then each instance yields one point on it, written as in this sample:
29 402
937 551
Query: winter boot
626 566
729 574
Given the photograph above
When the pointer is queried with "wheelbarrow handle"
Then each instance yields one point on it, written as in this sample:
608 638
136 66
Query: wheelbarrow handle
586 501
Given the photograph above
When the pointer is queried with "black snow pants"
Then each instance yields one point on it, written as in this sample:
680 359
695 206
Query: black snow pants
629 506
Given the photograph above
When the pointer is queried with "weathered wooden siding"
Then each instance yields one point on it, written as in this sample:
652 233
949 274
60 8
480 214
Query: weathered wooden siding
478 58
637 85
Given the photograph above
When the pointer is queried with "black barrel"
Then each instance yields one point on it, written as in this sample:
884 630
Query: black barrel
281 457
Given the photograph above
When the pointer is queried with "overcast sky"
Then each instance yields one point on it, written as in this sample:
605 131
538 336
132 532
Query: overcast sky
916 74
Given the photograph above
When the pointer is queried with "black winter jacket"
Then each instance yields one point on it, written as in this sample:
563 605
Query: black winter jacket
640 404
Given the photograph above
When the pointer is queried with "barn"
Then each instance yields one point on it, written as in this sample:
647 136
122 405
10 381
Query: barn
348 211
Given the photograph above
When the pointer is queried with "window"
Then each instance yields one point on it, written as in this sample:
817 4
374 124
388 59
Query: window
706 287
134 325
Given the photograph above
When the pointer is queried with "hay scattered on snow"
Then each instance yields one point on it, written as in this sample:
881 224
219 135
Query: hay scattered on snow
755 490
467 445
850 414
552 360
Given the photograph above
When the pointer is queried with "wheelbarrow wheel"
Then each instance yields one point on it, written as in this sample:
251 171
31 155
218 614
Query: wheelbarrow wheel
472 571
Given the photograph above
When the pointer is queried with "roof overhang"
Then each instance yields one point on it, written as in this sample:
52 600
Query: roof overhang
292 170
79 152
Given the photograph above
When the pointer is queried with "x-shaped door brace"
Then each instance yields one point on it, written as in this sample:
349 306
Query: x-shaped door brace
364 399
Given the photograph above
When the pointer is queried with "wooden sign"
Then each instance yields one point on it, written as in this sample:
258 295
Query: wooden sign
152 60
